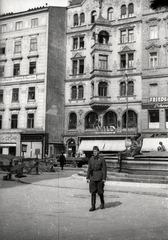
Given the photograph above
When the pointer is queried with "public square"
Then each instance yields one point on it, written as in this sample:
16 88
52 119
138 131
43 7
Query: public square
55 206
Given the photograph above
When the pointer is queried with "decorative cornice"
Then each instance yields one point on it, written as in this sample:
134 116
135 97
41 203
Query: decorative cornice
153 45
153 19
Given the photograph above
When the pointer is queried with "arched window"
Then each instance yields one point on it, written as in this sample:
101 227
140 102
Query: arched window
73 92
75 20
93 16
130 10
72 121
123 11
80 91
102 89
123 88
130 88
82 18
110 14
110 119
103 37
132 119
90 120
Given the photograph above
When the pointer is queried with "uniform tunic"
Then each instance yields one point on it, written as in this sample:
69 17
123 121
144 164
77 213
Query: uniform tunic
96 173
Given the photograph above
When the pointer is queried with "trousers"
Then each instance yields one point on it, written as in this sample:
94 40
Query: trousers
96 187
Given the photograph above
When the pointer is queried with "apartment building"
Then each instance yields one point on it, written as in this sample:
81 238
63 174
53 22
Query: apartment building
32 73
155 72
103 74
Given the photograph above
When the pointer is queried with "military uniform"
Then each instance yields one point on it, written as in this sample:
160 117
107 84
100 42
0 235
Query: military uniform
96 174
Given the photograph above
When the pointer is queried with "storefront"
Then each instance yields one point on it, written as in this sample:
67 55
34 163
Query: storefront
10 144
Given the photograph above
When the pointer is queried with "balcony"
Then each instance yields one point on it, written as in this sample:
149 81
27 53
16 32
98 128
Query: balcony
100 103
101 47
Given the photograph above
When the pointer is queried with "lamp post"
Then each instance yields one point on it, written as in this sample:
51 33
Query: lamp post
126 143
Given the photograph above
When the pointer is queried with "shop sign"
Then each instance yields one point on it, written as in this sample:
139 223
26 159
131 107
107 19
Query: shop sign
155 106
9 138
31 138
105 129
158 99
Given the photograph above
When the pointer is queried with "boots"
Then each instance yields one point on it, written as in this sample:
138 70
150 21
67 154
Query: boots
93 202
102 201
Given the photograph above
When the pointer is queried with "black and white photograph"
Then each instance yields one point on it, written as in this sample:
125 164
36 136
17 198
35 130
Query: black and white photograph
83 120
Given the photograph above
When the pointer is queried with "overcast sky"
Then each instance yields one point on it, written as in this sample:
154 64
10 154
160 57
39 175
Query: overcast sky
7 6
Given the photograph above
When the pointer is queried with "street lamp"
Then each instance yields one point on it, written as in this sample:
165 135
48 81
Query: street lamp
126 140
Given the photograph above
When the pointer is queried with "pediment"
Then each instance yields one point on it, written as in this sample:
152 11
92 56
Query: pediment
77 55
153 46
126 49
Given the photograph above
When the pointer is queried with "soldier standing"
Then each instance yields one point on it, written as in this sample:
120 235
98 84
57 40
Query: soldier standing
96 176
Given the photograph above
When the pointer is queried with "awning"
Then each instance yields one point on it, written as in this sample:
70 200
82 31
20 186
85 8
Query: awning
103 145
151 144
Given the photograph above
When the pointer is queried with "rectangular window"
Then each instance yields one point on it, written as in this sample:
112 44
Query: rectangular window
75 43
18 25
153 60
80 92
31 94
14 121
93 62
33 44
154 119
130 35
15 95
123 36
81 42
81 66
1 95
103 62
30 120
153 90
153 32
2 70
0 121
16 69
74 67
2 50
3 28
18 47
130 60
34 22
32 68
123 61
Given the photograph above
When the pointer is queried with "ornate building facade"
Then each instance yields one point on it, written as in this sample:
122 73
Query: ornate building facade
103 74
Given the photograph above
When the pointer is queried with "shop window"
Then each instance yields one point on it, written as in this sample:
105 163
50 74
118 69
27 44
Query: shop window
75 20
110 119
90 120
82 19
16 69
72 121
93 16
153 60
123 11
153 30
34 22
0 121
32 67
103 62
110 14
30 120
166 115
18 25
17 47
14 121
131 10
15 95
132 119
31 94
1 95
74 92
3 28
103 37
33 44
2 71
102 89
153 119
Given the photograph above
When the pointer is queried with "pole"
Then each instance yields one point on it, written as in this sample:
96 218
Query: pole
126 107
